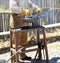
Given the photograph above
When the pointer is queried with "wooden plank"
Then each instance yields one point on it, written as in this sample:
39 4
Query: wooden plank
28 50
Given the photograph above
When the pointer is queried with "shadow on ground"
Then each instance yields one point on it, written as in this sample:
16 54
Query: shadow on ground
55 60
34 61
4 50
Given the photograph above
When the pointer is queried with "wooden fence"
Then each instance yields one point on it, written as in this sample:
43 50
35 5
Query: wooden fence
4 21
4 4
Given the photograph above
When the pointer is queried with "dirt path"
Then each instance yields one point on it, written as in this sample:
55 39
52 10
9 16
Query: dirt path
53 52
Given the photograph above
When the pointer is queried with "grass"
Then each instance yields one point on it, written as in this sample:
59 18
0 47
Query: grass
4 10
4 43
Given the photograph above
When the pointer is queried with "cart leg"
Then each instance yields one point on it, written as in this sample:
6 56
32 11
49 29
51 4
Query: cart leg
46 50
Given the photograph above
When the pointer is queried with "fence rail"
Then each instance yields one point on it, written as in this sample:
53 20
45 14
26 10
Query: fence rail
46 26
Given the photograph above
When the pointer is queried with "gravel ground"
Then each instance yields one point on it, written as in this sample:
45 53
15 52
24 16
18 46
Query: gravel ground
53 52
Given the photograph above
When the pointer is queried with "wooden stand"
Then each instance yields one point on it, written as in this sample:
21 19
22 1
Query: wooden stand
17 49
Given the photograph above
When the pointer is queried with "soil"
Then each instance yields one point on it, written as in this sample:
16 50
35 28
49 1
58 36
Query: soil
53 53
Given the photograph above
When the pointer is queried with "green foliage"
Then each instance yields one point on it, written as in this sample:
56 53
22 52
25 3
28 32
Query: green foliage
43 23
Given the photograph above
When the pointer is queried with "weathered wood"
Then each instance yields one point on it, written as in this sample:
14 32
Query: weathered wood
29 50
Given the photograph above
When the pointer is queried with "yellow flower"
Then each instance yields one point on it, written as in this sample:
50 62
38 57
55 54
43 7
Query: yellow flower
26 12
38 9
